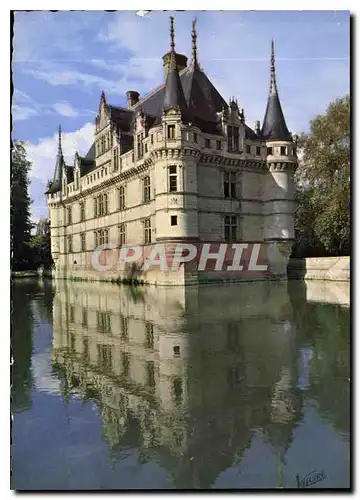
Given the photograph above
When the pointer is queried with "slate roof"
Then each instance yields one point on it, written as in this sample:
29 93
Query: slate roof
274 125
199 101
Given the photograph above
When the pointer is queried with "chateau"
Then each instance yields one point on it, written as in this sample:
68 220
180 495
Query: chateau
177 165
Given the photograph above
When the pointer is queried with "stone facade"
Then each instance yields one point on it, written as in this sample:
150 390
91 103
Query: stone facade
171 180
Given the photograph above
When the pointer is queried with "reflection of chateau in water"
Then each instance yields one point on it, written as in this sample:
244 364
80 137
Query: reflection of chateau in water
186 375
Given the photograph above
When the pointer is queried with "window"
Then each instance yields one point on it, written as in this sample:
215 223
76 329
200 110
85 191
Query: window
283 150
82 211
86 354
207 143
103 322
116 159
69 215
236 144
269 151
101 237
84 317
230 184
100 205
152 138
218 145
233 138
230 228
126 363
124 328
195 137
104 356
122 235
150 374
69 244
121 194
146 189
173 220
230 137
149 333
172 179
132 157
140 149
147 231
146 148
171 131
98 175
72 316
83 242
177 390
258 151
176 350
248 150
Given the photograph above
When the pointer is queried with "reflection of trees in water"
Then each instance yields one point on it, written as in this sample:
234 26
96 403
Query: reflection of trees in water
324 329
330 365
22 322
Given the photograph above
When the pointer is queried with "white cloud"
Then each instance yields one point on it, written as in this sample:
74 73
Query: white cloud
22 112
65 109
43 154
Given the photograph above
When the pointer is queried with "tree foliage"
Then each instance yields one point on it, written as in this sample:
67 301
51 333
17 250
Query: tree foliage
322 218
41 245
20 209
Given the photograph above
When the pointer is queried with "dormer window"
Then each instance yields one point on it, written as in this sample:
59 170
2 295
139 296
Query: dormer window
195 138
283 150
207 143
269 151
140 149
171 131
258 151
233 138
248 150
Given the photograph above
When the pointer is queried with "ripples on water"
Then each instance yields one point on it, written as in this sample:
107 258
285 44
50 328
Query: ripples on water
237 386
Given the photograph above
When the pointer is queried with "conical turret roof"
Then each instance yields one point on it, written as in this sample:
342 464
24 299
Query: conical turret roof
274 126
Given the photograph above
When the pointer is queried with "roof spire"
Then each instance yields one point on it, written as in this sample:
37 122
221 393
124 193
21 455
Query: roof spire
172 35
273 88
194 38
274 125
174 94
59 143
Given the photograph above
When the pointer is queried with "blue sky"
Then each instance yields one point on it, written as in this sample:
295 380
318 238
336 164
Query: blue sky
62 61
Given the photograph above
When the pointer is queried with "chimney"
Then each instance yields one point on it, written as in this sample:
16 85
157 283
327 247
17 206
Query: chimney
257 127
132 98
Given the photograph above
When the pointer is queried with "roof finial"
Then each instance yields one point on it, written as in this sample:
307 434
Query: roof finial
194 37
172 34
273 88
59 144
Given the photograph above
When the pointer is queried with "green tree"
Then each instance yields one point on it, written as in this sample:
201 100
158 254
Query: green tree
20 209
41 245
322 218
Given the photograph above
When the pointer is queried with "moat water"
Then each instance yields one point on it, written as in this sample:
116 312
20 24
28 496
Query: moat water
237 386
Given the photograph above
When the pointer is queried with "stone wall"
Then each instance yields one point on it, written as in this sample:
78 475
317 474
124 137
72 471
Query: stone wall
320 268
